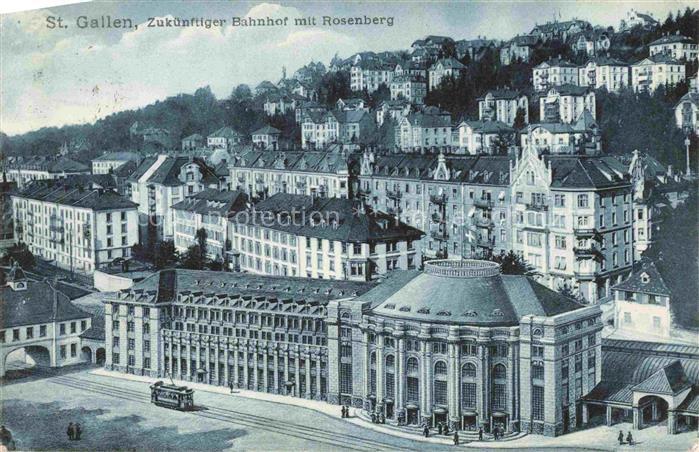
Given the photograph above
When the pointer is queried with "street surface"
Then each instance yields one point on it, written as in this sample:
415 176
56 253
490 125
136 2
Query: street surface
111 411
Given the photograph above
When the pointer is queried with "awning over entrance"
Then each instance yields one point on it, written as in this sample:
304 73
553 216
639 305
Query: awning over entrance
470 413
439 410
411 406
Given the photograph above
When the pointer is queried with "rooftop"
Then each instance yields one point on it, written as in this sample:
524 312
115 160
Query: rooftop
465 292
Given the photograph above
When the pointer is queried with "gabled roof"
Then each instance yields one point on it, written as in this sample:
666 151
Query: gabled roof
86 198
349 116
448 63
193 137
488 126
524 40
168 171
35 305
648 279
118 156
555 62
659 58
267 130
570 90
504 93
345 220
669 380
606 61
226 132
211 201
673 39
584 172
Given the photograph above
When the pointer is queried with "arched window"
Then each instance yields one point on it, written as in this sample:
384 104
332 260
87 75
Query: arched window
468 370
499 397
440 383
389 376
372 373
440 368
468 386
413 380
499 372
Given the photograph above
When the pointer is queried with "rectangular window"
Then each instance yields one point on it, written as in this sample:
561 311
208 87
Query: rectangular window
538 403
346 378
30 332
73 350
62 328
42 331
440 392
115 358
499 397
468 395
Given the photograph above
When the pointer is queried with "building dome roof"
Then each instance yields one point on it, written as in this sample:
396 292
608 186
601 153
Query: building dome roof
471 292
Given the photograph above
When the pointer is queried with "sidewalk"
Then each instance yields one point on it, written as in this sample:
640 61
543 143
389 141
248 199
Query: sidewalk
319 406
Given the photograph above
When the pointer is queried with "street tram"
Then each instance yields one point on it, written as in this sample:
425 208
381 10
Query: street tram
172 396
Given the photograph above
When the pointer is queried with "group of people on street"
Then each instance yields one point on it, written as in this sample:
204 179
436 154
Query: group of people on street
74 431
6 438
497 433
345 411
629 438
378 418
442 429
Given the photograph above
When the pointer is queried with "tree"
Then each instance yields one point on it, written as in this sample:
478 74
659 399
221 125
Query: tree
20 253
513 264
567 290
192 258
164 254
334 86
520 120
201 237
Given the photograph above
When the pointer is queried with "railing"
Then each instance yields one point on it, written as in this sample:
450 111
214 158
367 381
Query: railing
536 206
485 203
394 194
438 199
467 268
439 235
579 230
484 222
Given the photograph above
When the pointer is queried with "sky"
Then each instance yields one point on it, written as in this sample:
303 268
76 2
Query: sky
54 77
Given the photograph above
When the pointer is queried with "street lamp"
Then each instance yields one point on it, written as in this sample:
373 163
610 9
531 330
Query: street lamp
687 142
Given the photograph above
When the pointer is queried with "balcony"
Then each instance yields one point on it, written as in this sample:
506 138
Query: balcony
485 243
588 253
394 194
539 207
394 211
484 222
583 230
439 235
439 199
364 192
437 218
483 203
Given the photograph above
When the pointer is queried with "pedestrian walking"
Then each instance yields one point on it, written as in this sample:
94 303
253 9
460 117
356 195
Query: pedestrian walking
440 428
456 438
480 433
382 418
230 385
621 437
426 431
446 429
70 431
629 439
373 418
496 433
78 431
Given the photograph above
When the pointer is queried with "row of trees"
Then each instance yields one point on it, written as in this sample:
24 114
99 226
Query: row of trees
163 254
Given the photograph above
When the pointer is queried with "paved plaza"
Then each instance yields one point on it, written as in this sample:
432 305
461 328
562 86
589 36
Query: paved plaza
116 413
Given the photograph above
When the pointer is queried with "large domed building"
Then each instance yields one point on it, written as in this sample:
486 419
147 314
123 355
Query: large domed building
463 344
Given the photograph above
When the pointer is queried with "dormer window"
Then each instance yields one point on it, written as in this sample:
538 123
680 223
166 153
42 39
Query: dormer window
645 279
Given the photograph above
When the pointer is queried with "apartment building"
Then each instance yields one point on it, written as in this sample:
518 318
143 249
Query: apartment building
319 129
572 220
554 72
429 128
604 72
224 138
460 202
657 70
327 238
262 174
687 112
370 75
209 210
78 228
582 136
23 171
111 161
482 137
442 69
519 48
676 46
161 181
503 105
410 88
565 104
266 138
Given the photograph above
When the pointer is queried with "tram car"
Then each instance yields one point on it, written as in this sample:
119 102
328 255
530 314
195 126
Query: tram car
172 396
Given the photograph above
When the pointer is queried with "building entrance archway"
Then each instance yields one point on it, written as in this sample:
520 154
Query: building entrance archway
24 359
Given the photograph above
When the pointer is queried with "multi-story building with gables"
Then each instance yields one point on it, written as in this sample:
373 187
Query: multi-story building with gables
461 202
572 220
260 174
